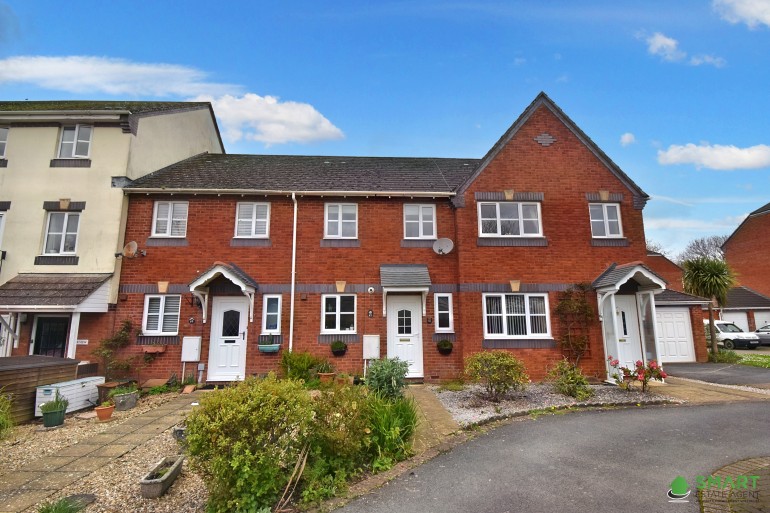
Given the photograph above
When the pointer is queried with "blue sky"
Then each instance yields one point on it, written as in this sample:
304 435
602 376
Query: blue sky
677 93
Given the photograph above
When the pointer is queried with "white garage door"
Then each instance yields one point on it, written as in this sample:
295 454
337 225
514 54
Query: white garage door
675 342
762 318
740 319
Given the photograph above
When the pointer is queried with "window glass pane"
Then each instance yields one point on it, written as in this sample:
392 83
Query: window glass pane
427 228
538 324
153 314
597 229
404 322
517 324
245 210
494 305
530 227
333 212
509 210
244 228
271 322
171 305
514 304
260 228
495 324
231 321
56 224
347 322
347 303
411 213
427 213
443 303
53 243
348 229
613 227
332 228
488 211
3 140
81 148
272 305
69 243
537 305
348 212
597 212
612 212
494 315
443 320
330 322
178 227
412 230
529 211
330 304
72 223
509 228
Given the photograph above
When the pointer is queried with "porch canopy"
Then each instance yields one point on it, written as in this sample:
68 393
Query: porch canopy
200 287
626 308
404 278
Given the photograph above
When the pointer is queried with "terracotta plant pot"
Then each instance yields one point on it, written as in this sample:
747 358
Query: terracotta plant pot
104 412
326 377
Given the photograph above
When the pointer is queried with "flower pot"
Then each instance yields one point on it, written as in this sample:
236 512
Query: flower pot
160 478
125 402
344 380
445 350
326 377
339 352
268 348
104 412
53 418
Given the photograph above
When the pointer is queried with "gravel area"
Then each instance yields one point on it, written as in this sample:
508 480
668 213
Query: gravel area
468 408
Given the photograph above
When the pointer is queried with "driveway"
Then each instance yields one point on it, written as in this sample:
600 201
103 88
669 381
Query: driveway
598 461
722 373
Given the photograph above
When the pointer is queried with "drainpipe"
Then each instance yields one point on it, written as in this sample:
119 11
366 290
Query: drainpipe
293 273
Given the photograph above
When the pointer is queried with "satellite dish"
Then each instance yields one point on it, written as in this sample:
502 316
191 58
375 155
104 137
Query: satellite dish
443 246
130 249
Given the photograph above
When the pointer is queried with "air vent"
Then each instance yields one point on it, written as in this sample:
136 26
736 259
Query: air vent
545 139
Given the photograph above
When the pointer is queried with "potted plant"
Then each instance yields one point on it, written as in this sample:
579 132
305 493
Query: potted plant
125 397
445 346
159 479
268 345
339 348
325 372
53 411
104 412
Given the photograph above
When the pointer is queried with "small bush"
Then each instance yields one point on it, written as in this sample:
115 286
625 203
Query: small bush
387 377
6 422
160 389
61 506
246 440
568 379
498 371
724 356
392 423
127 389
58 403
299 365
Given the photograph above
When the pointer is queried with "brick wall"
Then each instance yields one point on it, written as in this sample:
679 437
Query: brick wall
667 270
747 256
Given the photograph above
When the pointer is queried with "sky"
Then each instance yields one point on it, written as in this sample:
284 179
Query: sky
677 93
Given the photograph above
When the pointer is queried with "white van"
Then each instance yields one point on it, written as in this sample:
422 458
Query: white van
731 336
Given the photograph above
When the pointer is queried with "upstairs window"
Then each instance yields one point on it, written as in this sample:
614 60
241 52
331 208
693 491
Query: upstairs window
509 219
341 221
75 142
161 315
61 233
339 314
605 220
516 315
252 220
419 221
3 140
170 219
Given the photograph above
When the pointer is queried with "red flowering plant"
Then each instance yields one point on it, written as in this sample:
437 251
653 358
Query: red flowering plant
641 373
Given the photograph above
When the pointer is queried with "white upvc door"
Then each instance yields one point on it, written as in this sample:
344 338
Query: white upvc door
405 332
227 346
629 339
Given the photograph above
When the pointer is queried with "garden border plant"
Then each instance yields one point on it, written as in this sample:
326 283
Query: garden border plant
498 371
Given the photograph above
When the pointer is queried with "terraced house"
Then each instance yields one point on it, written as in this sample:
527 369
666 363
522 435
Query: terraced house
63 211
244 254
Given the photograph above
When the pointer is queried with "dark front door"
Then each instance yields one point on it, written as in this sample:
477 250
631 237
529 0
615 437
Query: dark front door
51 336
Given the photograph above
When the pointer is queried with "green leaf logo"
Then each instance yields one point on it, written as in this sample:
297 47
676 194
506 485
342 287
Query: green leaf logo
679 486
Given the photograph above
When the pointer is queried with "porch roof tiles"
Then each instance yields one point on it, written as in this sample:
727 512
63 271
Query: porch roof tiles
50 289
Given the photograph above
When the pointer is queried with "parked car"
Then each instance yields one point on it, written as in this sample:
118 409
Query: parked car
764 335
731 336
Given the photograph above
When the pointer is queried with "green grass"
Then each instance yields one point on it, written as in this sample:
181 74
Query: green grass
756 360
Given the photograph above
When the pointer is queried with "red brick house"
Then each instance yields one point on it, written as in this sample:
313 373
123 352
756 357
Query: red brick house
302 251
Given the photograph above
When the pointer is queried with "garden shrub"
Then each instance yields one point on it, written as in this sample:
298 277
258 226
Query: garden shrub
392 423
387 377
498 371
6 422
569 380
300 365
246 440
724 356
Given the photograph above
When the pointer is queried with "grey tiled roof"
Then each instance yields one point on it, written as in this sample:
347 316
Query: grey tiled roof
216 172
231 267
615 272
744 297
761 210
669 296
404 275
50 289
75 105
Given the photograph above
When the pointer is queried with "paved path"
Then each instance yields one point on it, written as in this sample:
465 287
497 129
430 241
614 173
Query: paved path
435 424
704 393
45 476
722 373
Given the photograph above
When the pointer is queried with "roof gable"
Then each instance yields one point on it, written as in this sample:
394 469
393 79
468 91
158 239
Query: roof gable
765 209
543 101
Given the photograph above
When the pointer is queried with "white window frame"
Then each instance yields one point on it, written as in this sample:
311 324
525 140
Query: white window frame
169 220
4 131
529 334
161 314
337 331
2 225
75 141
420 221
520 206
64 232
605 220
265 300
339 221
439 329
253 220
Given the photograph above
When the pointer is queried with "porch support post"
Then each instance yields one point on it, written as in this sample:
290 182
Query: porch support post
73 338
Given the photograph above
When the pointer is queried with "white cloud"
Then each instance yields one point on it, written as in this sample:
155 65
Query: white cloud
724 200
693 225
627 138
119 77
699 60
665 47
268 120
750 12
719 157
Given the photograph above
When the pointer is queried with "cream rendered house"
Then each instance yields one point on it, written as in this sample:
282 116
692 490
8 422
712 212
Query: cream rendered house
63 213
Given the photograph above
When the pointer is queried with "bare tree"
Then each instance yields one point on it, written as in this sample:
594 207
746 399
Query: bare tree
656 247
704 247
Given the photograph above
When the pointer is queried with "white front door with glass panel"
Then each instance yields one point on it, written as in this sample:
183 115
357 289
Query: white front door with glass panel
405 332
227 347
629 339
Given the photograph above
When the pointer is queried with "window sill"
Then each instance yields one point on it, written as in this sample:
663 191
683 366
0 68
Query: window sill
613 242
340 243
56 260
518 343
70 162
417 243
512 241
250 242
166 242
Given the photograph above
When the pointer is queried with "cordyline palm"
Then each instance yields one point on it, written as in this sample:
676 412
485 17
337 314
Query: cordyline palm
711 278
